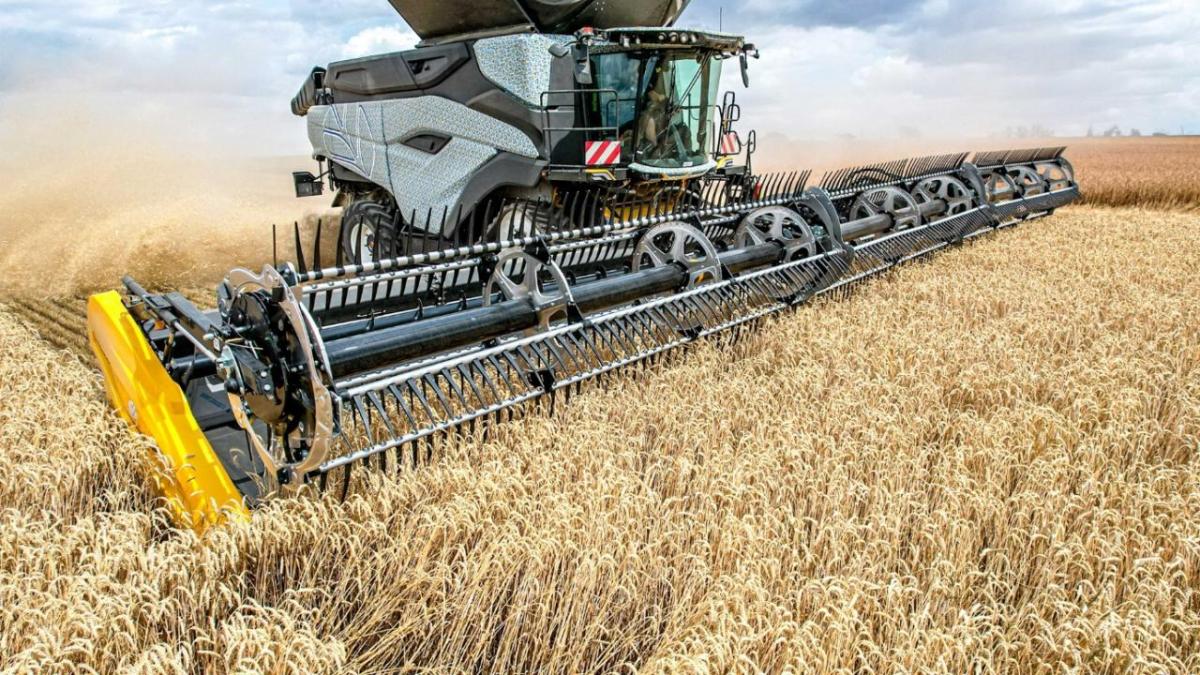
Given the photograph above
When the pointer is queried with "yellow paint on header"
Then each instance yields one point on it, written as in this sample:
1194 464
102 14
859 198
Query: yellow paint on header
198 490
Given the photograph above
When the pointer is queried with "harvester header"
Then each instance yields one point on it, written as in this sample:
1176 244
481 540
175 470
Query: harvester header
484 262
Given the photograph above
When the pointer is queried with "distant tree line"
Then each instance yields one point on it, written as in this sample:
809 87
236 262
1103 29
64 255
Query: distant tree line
1039 131
1115 132
1035 131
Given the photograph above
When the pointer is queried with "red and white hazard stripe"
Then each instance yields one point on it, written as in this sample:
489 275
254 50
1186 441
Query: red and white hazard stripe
730 143
602 153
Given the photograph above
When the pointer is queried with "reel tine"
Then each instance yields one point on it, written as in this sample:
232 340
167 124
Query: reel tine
346 470
581 217
458 220
364 417
414 448
376 401
588 206
789 185
394 251
624 211
339 258
785 185
763 189
517 218
776 189
457 394
359 259
303 268
572 209
828 179
708 191
489 213
317 247
545 215
795 184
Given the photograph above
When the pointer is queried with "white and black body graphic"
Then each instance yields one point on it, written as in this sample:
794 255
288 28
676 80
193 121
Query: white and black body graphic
518 98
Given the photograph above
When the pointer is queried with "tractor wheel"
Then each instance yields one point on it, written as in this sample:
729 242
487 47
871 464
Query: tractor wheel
368 233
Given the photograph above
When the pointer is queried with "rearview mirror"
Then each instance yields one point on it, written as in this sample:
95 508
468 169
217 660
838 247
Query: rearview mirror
745 69
307 185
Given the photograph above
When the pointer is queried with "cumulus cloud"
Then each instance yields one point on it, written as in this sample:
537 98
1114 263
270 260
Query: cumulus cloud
958 67
379 40
207 67
868 68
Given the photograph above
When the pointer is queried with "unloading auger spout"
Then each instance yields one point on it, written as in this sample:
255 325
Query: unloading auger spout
599 212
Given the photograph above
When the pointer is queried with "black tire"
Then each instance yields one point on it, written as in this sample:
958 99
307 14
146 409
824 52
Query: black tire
368 233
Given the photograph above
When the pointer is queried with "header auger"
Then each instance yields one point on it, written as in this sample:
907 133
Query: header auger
535 273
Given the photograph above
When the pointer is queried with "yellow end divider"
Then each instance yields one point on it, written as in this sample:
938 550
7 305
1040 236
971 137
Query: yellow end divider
195 484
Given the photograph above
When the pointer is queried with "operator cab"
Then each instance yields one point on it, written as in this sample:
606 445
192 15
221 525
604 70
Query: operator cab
651 91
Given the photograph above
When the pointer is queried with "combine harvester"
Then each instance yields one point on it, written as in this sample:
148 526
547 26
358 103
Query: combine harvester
541 193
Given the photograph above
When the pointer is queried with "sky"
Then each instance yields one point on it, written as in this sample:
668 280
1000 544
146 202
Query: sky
220 73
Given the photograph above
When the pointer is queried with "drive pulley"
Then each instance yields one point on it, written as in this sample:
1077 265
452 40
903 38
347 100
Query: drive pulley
523 276
882 210
781 225
678 243
948 191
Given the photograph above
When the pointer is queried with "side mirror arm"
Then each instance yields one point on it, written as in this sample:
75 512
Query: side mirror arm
580 50
744 58
583 64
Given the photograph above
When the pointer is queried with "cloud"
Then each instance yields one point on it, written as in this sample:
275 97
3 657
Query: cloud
952 67
869 68
379 40
207 67
806 13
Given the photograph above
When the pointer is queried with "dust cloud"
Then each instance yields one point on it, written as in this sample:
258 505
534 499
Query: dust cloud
777 152
94 189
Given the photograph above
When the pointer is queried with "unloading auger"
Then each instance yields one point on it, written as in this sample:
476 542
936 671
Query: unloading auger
620 237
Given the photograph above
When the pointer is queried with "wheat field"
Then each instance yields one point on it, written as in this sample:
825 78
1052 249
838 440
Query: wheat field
1146 172
986 462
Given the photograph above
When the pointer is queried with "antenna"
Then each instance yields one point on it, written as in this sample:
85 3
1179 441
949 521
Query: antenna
721 20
